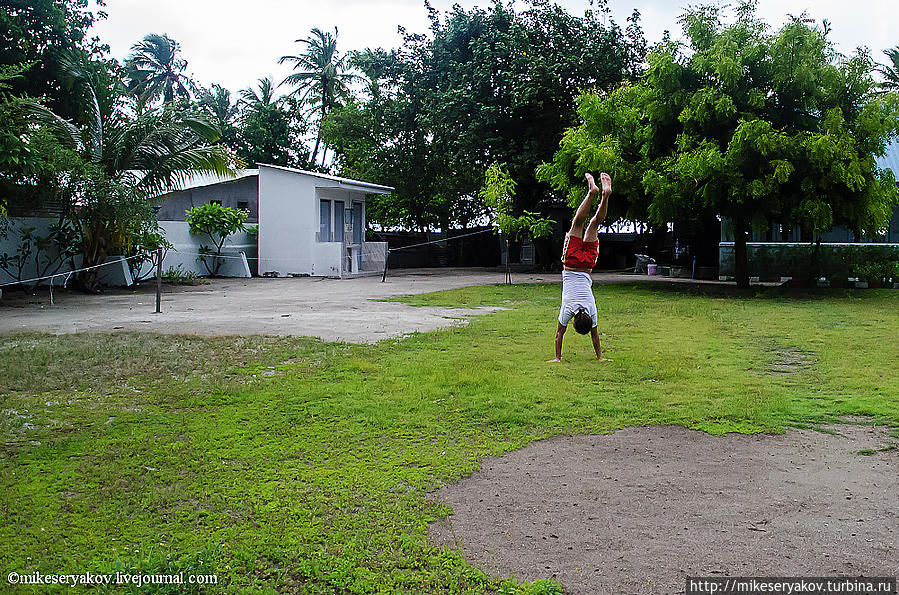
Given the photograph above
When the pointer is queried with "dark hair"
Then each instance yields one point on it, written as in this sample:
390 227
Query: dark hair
583 323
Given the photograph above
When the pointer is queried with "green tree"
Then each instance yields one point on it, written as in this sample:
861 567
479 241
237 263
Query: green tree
40 33
217 223
890 71
498 194
155 69
216 104
485 86
129 158
268 131
24 122
741 123
380 142
321 81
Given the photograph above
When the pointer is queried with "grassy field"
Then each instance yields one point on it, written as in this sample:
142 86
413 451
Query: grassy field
298 465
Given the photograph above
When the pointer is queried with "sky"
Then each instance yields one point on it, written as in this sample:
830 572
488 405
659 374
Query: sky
234 43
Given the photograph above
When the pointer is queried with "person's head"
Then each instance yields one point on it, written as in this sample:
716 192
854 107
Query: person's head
583 323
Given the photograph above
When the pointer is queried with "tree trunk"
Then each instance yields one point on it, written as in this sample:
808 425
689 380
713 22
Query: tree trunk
315 150
94 254
814 270
508 263
741 262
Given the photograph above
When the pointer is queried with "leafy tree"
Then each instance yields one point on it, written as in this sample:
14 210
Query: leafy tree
890 71
217 223
268 131
380 141
39 33
128 158
320 79
216 104
485 86
498 194
742 123
155 69
26 173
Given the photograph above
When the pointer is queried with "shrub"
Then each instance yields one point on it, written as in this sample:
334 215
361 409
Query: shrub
179 276
217 223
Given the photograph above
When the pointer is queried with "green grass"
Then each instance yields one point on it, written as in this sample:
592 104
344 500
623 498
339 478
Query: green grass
298 465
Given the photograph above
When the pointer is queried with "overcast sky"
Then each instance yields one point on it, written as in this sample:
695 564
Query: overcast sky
234 43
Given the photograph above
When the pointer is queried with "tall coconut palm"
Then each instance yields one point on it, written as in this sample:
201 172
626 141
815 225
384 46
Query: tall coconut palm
136 156
890 72
320 79
217 102
264 96
154 68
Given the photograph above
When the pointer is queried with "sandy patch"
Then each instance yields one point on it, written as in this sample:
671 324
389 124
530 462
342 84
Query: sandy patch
639 510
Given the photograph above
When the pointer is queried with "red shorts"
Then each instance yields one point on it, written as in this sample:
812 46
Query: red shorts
578 254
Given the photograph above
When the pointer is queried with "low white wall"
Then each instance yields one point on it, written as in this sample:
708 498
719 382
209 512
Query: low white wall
115 273
10 243
322 259
238 249
374 254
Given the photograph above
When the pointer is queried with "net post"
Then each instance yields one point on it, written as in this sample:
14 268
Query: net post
158 280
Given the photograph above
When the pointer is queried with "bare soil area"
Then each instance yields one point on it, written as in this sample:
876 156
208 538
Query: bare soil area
639 510
331 309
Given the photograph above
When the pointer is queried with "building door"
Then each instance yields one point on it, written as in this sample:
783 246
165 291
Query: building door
358 232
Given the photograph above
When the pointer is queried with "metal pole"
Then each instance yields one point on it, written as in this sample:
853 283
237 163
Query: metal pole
158 279
386 257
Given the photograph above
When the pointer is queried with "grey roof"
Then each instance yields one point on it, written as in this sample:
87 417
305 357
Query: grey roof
373 188
891 159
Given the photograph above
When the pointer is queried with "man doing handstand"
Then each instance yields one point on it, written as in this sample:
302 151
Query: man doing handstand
579 256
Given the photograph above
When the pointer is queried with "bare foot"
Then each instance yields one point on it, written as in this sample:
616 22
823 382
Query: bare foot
554 361
592 189
603 359
606 181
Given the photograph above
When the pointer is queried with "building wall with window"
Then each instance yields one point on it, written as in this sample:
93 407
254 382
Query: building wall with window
314 224
241 193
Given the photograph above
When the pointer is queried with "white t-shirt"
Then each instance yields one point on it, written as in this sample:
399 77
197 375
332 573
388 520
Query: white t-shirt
577 293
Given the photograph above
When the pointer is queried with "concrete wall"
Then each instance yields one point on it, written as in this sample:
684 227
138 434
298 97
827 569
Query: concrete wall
239 248
116 273
228 193
288 220
10 243
289 224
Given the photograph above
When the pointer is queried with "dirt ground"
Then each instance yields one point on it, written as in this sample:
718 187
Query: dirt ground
639 510
331 309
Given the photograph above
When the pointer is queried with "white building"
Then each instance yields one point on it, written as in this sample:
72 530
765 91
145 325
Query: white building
309 223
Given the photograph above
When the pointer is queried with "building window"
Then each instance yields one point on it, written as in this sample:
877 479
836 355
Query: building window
324 234
338 220
215 202
243 205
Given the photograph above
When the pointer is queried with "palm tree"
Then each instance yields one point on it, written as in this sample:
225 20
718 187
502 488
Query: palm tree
155 69
890 73
320 79
217 102
136 156
265 95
